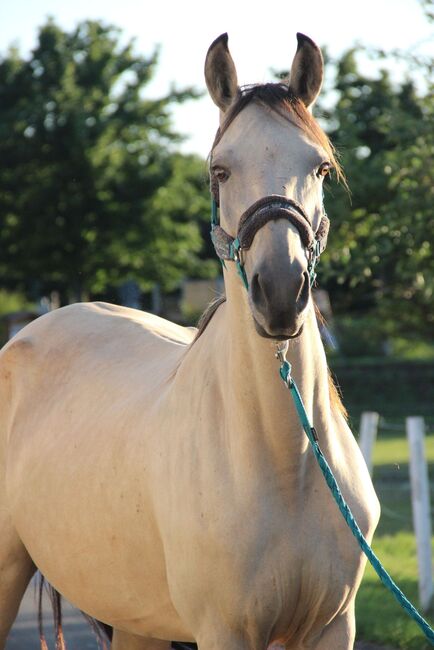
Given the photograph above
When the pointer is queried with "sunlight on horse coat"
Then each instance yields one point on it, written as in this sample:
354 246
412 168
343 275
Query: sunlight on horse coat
166 487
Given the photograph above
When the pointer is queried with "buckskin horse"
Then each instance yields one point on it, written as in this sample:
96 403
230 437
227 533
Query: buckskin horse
159 478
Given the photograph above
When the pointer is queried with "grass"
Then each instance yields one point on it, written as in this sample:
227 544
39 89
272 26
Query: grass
379 617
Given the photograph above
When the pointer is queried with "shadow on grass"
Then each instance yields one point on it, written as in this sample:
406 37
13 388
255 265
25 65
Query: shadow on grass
380 618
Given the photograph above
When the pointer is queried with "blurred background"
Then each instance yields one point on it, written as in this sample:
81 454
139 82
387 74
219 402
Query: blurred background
104 132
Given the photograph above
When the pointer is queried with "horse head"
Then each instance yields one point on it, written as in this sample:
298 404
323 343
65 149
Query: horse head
267 167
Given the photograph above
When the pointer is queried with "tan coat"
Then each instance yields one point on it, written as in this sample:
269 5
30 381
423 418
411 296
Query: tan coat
167 488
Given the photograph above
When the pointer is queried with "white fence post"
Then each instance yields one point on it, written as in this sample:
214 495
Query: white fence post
368 433
420 498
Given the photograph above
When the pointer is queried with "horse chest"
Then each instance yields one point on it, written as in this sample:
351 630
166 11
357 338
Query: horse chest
259 562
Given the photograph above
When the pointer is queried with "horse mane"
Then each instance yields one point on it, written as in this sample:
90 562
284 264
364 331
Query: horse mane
336 404
281 99
207 315
335 395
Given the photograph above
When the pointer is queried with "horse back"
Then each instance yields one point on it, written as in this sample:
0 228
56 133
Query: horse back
88 355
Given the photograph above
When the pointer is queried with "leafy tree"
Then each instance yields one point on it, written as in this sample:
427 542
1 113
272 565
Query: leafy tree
85 163
380 265
409 283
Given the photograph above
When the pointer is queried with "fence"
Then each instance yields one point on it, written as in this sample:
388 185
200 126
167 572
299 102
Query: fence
420 493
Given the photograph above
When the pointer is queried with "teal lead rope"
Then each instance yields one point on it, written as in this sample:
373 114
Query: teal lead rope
285 373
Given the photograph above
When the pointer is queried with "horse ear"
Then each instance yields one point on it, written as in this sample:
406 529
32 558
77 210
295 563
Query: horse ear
307 70
220 73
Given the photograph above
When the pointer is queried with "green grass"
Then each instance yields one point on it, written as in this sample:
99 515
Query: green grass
392 449
379 617
412 349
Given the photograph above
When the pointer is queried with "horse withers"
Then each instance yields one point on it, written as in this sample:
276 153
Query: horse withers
159 478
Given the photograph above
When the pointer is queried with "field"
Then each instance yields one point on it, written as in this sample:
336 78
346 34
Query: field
379 616
395 389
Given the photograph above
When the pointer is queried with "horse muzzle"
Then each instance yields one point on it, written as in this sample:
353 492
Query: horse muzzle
278 292
278 299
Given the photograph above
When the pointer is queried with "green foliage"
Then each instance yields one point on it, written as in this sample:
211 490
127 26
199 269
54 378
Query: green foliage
380 260
84 160
186 198
389 386
13 301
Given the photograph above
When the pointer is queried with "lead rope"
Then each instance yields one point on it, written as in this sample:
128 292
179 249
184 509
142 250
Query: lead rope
285 373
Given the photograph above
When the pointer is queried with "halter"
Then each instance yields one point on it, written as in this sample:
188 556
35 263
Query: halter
269 208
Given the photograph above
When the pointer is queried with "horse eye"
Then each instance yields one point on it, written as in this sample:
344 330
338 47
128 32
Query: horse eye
324 170
220 174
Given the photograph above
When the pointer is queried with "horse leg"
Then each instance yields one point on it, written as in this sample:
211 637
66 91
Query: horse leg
340 633
16 569
126 641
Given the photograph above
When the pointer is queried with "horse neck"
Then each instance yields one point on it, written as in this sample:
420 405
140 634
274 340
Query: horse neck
256 402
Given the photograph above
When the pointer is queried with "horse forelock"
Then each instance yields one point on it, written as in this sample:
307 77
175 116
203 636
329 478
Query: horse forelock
281 99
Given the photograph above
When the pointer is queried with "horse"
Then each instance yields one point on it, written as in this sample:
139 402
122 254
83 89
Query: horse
158 477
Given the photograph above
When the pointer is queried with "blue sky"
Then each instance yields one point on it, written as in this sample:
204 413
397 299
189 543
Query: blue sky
261 37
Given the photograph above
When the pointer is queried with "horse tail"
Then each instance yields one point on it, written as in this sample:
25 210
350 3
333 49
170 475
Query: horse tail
56 604
102 631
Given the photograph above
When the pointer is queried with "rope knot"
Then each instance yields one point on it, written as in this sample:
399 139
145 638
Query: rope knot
285 372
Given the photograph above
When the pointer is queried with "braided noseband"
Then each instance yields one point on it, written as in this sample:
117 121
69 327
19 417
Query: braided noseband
269 208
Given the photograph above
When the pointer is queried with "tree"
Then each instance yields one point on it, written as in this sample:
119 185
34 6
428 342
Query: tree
380 263
84 160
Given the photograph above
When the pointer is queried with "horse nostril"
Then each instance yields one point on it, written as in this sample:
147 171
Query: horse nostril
257 291
303 294
279 298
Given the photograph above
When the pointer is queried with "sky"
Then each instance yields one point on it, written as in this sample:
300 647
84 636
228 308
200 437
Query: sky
262 37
